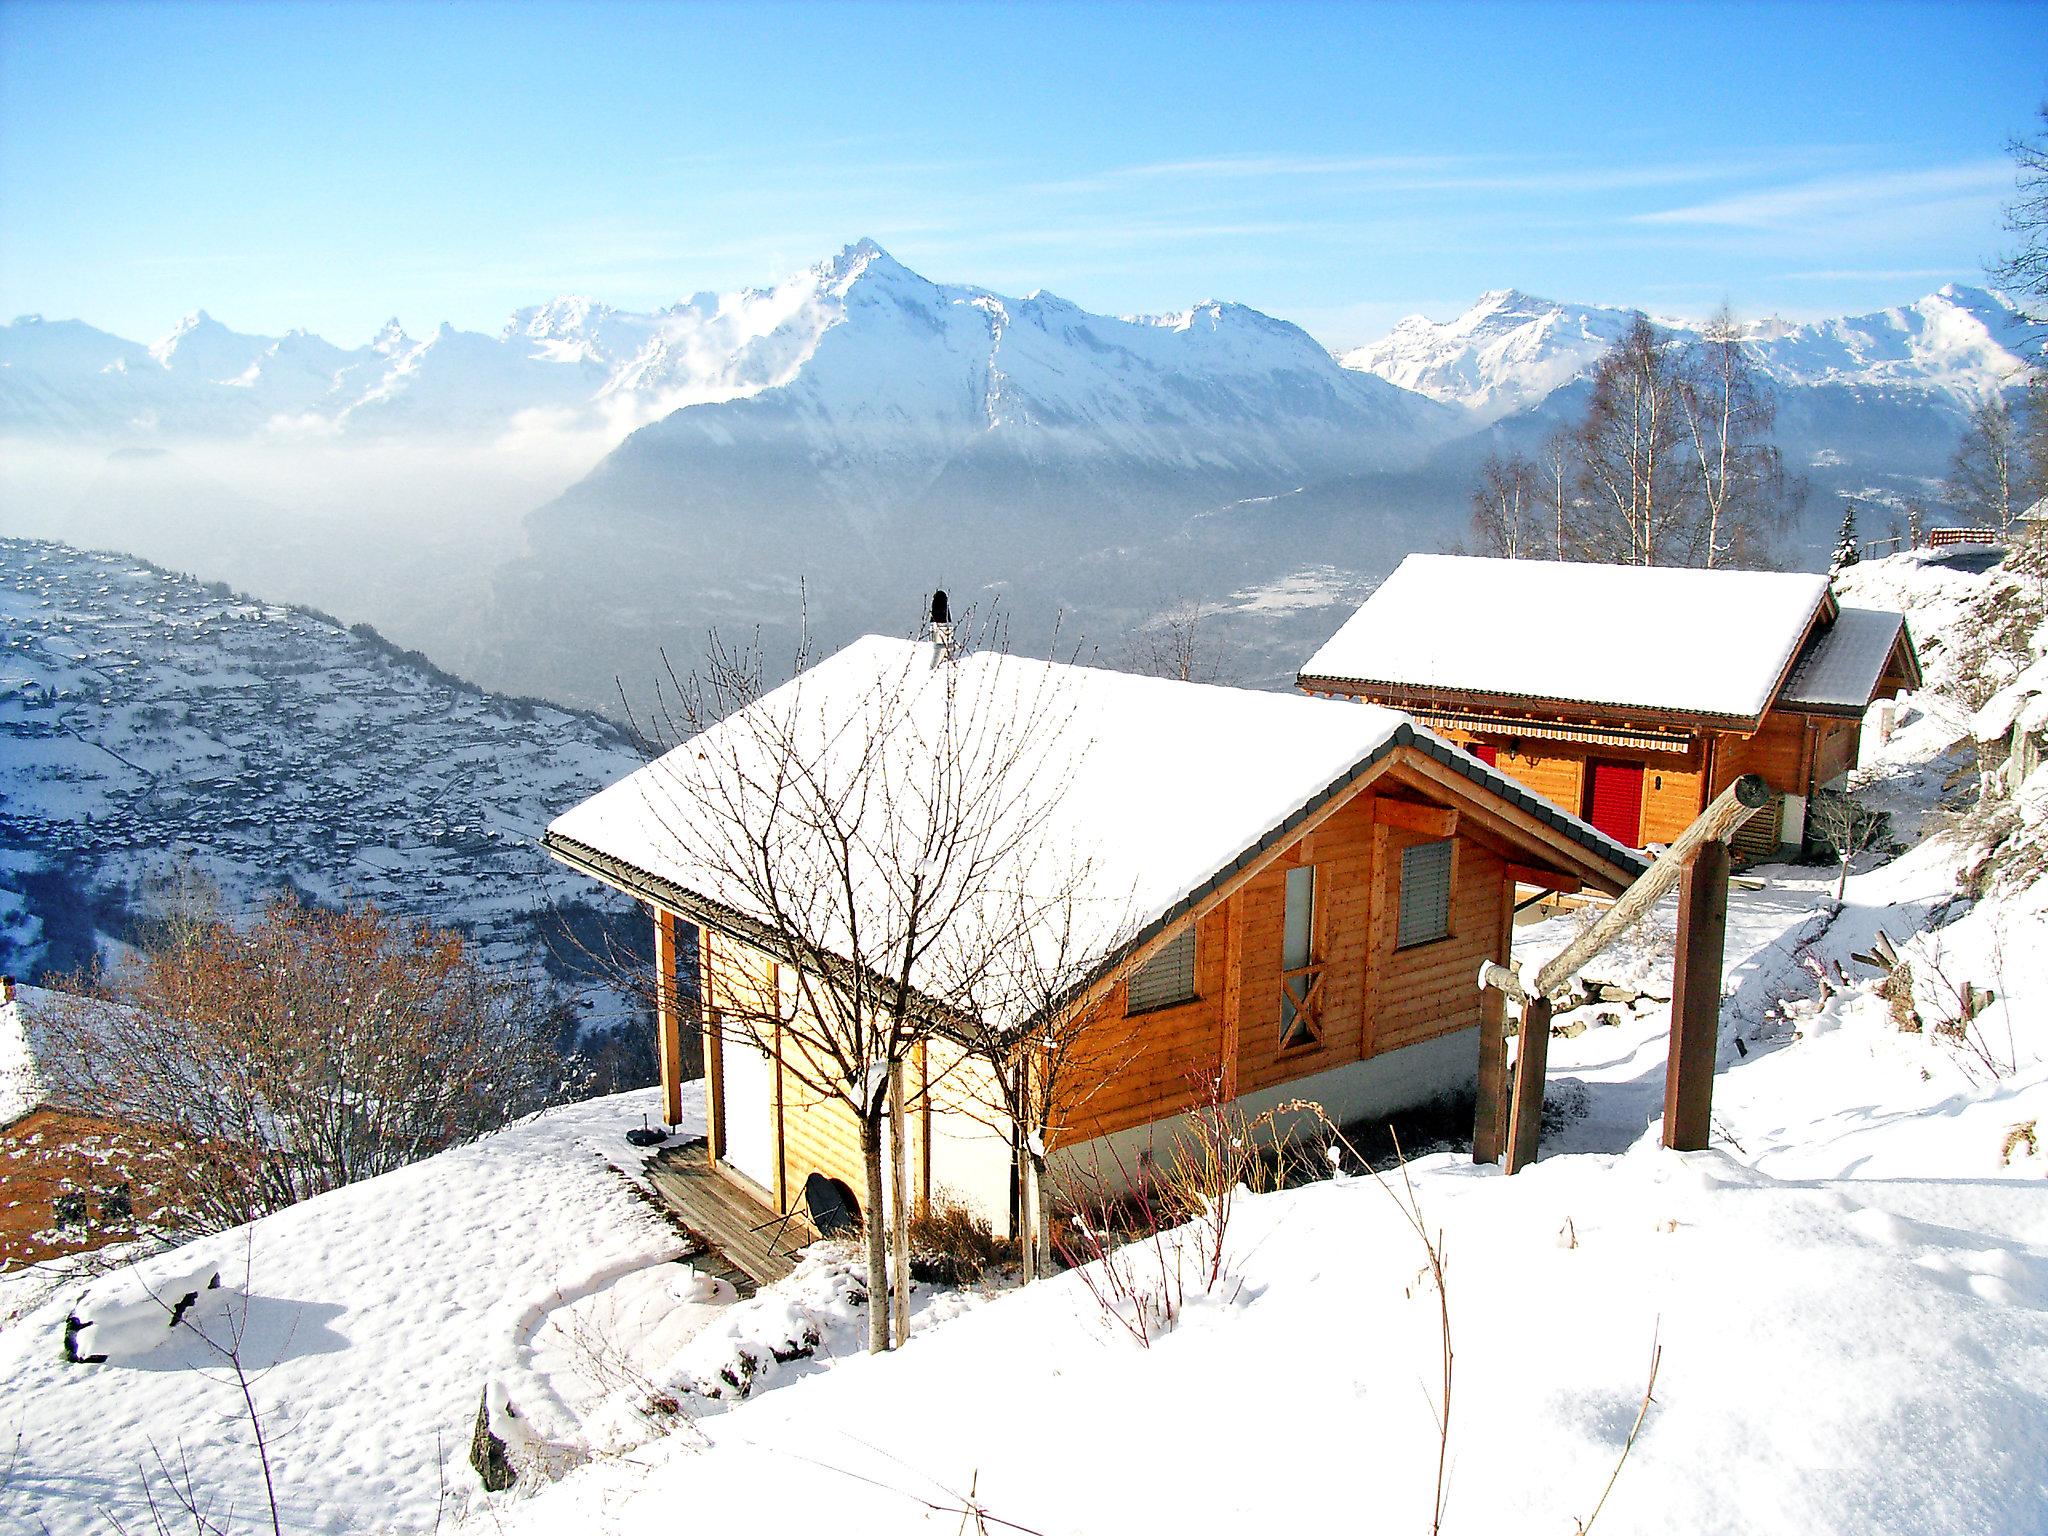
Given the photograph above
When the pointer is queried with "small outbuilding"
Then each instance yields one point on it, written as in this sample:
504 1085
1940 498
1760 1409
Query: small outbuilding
1631 695
69 1182
1286 894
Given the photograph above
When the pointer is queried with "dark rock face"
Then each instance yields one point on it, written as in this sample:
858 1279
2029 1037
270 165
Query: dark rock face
487 1451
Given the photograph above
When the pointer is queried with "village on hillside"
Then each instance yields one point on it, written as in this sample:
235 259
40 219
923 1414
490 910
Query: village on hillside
155 726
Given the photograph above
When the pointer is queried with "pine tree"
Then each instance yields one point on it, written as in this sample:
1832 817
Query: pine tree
1848 549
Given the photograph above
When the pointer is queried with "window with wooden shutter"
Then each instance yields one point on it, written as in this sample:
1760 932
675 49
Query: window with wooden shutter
1425 894
1167 978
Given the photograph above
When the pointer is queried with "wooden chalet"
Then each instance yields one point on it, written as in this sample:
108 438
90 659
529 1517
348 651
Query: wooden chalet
1300 892
69 1182
1631 695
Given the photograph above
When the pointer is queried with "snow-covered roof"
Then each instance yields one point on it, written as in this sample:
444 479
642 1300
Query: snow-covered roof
1141 796
1656 637
1842 666
2037 513
24 1050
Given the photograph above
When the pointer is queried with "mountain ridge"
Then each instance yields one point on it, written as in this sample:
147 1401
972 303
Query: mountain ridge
586 360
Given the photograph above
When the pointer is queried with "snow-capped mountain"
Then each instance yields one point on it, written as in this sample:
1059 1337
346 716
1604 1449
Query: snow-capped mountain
866 431
1968 342
1511 350
880 431
1060 367
1507 351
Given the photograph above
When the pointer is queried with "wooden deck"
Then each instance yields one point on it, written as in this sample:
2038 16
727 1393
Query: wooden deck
746 1242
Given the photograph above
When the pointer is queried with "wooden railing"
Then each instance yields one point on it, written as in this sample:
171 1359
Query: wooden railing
1937 537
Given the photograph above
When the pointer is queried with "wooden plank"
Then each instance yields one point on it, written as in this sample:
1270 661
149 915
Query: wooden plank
755 1245
1532 1061
1510 821
1429 820
668 1017
1544 879
1696 1000
1719 821
1233 990
1237 882
1376 940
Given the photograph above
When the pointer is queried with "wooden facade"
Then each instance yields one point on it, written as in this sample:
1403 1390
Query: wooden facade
1641 775
68 1184
1366 996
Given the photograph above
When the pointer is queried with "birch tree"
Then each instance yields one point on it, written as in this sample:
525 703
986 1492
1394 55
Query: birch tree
2024 268
864 830
1989 473
1504 508
1558 469
1040 1051
1633 469
1728 412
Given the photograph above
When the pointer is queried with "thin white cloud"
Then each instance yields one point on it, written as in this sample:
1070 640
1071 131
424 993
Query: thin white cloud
1810 202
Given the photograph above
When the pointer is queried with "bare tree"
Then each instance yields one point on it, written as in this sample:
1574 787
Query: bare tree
1171 644
1633 467
257 1068
1039 1052
1729 410
1848 827
1504 508
2025 268
1559 473
1989 473
866 825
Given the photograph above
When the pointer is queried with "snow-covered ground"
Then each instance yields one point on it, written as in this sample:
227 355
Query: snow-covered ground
1849 1293
372 1319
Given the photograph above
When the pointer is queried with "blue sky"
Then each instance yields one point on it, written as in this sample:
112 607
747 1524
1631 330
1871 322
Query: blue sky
329 165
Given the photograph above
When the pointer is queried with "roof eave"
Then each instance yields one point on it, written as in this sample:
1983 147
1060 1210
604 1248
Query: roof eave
1589 712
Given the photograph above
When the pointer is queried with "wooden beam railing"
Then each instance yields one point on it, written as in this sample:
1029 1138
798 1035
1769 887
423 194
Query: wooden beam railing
1303 987
1693 1014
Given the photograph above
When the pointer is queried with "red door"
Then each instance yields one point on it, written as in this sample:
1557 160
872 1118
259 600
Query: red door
1486 754
1614 800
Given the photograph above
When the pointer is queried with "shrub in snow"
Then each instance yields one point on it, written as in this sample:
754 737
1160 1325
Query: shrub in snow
267 1064
950 1245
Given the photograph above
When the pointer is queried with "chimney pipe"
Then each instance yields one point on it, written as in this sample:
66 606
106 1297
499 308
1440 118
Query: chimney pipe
942 625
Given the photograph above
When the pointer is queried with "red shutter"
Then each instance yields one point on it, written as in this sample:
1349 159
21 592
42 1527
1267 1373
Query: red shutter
1485 754
1614 801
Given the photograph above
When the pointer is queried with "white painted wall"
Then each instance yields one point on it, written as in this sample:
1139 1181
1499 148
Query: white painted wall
971 1163
749 1100
1792 826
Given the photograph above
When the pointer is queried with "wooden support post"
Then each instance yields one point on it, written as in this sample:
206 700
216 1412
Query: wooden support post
714 1051
668 1017
1696 999
1717 823
1532 1059
1489 1114
1233 992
